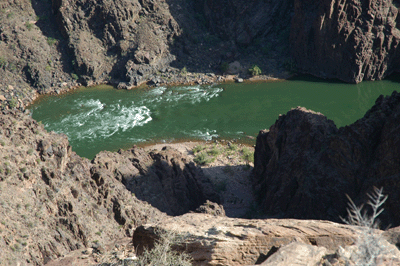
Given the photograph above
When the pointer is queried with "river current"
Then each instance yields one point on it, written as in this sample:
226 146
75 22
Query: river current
103 118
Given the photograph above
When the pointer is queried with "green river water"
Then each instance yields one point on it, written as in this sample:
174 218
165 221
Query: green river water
102 118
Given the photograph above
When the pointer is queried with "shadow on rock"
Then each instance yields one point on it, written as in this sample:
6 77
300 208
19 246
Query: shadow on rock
165 179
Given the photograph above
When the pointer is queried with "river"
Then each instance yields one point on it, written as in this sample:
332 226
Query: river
103 118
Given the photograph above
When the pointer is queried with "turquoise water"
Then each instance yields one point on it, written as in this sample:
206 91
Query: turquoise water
103 118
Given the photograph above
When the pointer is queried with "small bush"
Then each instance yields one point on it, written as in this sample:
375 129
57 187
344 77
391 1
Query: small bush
74 76
203 158
255 70
29 26
3 62
233 147
247 155
51 41
162 253
184 71
12 103
198 148
215 151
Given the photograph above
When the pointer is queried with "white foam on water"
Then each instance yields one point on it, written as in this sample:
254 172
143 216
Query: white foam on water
97 120
205 134
176 95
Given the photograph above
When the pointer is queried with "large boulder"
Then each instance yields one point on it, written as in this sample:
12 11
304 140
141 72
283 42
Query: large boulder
348 40
304 166
216 240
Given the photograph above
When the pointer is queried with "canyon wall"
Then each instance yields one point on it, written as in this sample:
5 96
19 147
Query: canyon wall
347 40
304 166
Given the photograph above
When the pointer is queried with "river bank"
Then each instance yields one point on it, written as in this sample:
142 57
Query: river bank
172 77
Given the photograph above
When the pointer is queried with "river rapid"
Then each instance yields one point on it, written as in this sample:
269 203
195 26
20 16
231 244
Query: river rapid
103 118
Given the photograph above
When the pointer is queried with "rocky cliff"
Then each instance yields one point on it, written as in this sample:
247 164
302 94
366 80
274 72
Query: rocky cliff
165 179
51 46
304 165
53 202
348 40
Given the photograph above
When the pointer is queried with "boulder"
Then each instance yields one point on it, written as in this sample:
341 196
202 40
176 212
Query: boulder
211 208
296 253
216 240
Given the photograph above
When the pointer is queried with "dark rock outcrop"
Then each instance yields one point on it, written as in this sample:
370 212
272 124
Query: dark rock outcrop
166 179
304 165
117 37
245 21
348 40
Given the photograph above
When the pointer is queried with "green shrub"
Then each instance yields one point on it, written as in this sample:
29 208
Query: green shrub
29 25
247 155
255 70
233 147
13 103
74 76
3 62
183 71
51 41
215 151
203 158
198 148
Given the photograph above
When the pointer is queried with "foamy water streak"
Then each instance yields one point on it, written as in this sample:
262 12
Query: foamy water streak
178 95
90 119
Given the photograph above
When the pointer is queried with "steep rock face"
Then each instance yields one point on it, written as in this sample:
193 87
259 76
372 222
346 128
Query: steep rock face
165 179
50 204
243 21
117 37
215 240
304 165
349 40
